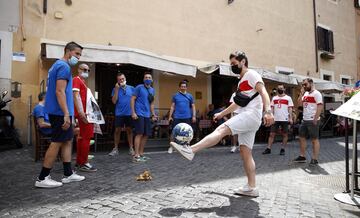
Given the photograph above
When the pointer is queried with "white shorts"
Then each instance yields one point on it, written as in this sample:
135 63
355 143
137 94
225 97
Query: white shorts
245 125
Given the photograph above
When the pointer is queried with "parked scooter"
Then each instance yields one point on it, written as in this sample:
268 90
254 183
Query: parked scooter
8 133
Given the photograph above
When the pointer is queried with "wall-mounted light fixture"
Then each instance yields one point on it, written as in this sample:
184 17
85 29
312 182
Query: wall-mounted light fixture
15 89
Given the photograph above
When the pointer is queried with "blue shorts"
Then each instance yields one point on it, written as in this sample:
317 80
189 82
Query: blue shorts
57 133
123 121
177 121
142 126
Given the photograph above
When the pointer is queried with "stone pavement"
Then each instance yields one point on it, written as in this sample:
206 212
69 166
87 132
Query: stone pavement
201 188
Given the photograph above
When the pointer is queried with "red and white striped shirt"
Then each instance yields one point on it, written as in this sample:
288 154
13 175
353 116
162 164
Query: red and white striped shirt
311 100
280 105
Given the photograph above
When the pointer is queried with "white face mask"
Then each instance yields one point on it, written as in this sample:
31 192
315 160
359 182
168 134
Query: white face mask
84 75
123 83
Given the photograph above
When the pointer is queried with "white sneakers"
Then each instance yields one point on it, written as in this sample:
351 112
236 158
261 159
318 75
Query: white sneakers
184 150
246 190
170 150
233 149
114 152
47 183
73 178
50 183
131 151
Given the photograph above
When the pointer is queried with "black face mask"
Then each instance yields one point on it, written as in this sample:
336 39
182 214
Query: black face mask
236 69
280 91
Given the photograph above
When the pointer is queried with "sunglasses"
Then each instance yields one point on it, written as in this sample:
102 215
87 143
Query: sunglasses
305 84
86 70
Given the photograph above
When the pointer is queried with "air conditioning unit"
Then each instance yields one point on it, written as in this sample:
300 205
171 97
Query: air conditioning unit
357 4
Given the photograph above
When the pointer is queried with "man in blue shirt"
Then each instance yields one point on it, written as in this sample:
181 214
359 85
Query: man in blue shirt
59 104
142 108
42 118
182 109
121 97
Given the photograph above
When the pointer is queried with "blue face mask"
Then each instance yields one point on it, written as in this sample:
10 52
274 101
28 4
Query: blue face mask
73 61
147 82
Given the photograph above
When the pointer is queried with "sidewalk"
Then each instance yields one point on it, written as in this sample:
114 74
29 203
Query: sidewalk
201 188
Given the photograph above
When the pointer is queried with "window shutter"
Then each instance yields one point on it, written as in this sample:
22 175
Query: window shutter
331 41
321 38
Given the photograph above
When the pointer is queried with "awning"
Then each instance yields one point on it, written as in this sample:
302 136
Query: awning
323 85
115 54
277 77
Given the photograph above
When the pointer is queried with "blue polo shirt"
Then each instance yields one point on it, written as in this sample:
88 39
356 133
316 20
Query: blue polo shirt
182 105
39 112
60 70
122 106
142 105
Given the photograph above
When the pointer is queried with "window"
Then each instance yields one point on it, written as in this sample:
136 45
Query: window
325 39
345 81
327 77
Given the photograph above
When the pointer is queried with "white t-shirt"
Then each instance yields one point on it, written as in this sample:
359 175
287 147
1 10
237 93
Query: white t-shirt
310 104
280 105
232 101
247 87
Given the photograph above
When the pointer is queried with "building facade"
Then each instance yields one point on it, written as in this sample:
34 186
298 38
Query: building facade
316 39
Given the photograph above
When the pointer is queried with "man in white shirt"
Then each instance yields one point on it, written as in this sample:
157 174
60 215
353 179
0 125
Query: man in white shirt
281 106
254 98
312 102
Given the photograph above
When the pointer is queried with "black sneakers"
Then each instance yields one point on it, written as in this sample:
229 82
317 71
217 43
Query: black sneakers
300 159
282 151
314 162
267 151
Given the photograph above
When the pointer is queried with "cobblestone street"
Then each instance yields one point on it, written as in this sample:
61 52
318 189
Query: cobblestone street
201 188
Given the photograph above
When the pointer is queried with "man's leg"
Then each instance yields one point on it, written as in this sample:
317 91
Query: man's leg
285 139
142 144
271 139
316 148
302 141
249 164
66 157
117 137
49 159
129 135
137 144
212 139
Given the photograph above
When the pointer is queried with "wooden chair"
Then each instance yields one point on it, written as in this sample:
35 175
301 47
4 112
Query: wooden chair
42 142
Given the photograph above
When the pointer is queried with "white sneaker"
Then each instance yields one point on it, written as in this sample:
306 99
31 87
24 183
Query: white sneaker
184 150
73 178
170 150
114 152
233 149
131 151
47 183
246 190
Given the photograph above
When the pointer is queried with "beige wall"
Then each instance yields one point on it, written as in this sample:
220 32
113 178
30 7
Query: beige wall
341 18
272 33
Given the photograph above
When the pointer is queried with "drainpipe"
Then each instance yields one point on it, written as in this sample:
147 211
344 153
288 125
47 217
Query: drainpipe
316 41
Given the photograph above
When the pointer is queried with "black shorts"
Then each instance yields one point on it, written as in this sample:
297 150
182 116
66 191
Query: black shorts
58 134
142 126
177 121
284 125
123 121
307 128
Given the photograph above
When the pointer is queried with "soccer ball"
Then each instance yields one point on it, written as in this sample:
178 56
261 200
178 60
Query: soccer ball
182 133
